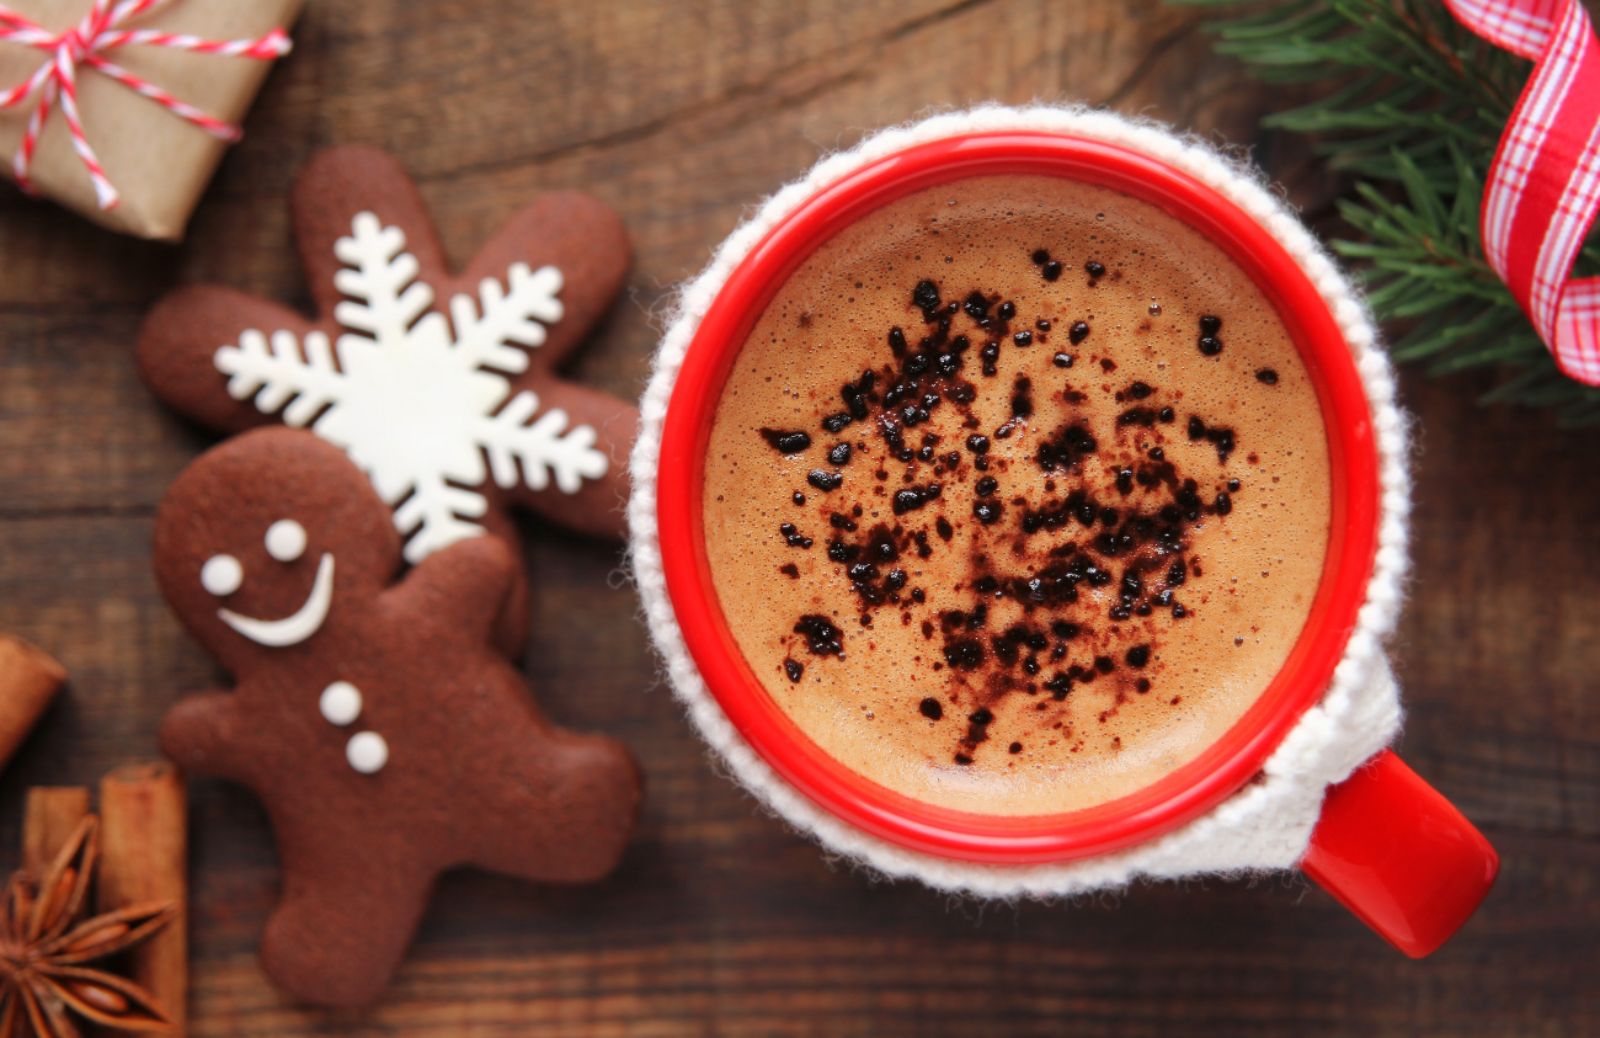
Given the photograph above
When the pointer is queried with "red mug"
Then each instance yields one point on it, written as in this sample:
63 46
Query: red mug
1386 845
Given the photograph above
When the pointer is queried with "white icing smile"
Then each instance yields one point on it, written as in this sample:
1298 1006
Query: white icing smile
298 626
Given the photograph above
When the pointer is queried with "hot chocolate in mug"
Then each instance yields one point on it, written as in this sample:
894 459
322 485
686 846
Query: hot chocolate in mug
1300 777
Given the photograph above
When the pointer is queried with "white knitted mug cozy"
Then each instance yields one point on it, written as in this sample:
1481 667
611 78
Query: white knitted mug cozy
1265 825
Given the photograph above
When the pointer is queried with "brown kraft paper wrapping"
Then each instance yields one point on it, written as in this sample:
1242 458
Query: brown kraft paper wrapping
159 162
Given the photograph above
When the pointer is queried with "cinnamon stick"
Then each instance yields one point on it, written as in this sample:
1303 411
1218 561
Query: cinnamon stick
51 815
144 857
29 679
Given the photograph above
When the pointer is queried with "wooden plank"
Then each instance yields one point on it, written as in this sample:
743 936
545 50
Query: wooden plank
681 145
69 394
1230 961
1496 650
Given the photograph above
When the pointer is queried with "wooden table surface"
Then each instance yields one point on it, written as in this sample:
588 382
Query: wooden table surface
721 921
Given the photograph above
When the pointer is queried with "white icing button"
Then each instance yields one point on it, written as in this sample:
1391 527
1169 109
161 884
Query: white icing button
341 703
367 752
286 540
221 575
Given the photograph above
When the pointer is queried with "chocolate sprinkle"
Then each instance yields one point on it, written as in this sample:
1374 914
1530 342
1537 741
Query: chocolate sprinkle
824 480
786 442
822 637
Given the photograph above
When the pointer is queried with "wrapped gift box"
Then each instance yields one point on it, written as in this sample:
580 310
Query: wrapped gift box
158 161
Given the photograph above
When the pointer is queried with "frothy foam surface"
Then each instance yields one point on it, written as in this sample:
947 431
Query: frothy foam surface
1017 497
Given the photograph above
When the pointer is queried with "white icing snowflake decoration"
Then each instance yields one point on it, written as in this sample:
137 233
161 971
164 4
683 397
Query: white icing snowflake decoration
428 415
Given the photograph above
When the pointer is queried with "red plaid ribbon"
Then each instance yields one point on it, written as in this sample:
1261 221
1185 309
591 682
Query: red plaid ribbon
1544 186
85 44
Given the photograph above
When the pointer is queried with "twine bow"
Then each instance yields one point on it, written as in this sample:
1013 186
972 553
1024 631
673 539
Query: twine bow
1543 192
84 45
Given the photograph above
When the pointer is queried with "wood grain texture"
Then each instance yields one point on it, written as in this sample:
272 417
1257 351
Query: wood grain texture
720 921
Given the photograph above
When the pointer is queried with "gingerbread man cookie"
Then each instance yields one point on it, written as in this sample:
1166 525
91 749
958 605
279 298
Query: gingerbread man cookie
387 737
444 389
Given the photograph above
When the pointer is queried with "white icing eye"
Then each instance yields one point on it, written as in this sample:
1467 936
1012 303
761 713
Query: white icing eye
221 575
286 540
341 703
367 752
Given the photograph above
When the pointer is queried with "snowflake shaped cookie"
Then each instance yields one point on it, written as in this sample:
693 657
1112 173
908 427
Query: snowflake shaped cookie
443 389
419 400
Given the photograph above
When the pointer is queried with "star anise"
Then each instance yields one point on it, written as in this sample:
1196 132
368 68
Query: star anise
48 951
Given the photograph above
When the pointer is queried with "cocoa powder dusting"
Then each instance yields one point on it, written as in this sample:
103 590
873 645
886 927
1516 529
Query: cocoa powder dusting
1066 589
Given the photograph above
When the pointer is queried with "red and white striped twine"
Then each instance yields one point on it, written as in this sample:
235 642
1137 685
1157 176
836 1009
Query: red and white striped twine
85 44
1543 192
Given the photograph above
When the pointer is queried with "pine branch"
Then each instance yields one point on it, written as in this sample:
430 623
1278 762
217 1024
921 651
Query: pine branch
1412 106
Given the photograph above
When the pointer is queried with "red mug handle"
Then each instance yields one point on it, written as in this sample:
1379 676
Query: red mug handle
1399 855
